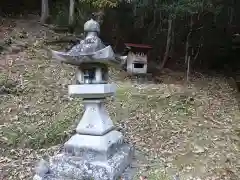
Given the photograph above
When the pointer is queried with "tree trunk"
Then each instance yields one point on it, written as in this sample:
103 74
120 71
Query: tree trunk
187 46
45 11
187 56
188 67
71 12
166 54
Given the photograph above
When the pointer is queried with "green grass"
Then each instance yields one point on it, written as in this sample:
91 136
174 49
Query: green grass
41 134
154 174
157 175
52 123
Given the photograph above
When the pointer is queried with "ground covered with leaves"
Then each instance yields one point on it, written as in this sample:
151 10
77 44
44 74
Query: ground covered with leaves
183 131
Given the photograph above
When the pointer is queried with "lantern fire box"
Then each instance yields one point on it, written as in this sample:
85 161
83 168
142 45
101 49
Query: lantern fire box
137 57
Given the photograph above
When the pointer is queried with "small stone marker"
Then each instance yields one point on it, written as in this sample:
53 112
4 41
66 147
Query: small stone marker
97 151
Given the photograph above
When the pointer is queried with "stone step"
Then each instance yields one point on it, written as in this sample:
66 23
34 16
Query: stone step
77 168
94 147
128 174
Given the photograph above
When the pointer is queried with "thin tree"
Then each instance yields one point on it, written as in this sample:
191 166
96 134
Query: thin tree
71 12
44 11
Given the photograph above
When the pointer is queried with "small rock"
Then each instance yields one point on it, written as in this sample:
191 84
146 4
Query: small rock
42 168
176 177
26 107
37 177
15 118
16 49
198 149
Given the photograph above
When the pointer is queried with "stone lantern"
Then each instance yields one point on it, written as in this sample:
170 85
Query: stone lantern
97 150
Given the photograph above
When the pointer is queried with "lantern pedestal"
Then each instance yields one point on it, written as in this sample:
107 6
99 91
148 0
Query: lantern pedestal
97 151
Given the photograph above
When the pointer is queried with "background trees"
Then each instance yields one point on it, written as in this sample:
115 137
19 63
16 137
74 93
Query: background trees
197 34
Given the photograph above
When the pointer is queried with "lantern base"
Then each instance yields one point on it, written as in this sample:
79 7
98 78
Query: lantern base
98 148
66 167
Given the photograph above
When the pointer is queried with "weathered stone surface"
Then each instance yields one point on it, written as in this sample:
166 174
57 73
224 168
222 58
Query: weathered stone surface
94 147
42 168
93 91
63 166
95 120
129 173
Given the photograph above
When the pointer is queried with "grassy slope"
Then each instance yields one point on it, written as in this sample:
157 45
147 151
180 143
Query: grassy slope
190 131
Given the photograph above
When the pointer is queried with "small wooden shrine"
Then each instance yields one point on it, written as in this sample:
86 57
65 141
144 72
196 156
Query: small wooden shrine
137 58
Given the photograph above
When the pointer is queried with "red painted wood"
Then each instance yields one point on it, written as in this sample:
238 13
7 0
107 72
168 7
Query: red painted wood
143 46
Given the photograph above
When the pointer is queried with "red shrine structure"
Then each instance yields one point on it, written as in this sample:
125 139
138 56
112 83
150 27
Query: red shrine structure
137 58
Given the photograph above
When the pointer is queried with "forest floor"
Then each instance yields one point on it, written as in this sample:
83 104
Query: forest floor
188 131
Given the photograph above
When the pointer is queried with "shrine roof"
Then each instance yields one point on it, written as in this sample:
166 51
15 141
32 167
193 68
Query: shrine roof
143 46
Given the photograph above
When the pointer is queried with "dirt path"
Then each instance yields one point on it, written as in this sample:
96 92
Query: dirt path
192 132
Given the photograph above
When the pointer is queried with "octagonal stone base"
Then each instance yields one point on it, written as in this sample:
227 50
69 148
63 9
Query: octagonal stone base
91 91
98 148
66 167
